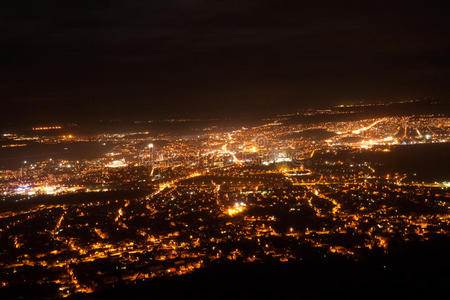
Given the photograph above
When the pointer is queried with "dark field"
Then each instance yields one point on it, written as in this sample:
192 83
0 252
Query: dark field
13 158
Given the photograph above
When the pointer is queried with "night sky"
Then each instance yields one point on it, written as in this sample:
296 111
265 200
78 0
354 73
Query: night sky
148 59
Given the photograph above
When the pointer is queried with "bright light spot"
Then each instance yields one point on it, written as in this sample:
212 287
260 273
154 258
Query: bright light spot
117 164
283 159
238 208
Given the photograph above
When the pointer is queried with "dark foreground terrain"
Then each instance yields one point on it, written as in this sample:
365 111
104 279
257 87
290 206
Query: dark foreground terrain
408 271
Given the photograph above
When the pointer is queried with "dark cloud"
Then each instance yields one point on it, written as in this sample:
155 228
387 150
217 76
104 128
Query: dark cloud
159 57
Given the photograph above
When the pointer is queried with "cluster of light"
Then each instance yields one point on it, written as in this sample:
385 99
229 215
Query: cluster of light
367 144
13 145
236 209
47 128
45 190
358 131
117 164
283 159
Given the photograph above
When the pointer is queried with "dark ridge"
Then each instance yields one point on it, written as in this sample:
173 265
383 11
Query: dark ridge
410 270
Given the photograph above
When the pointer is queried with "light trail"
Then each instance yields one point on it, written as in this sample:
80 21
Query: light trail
358 131
172 184
399 131
337 207
235 159
418 133
58 224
